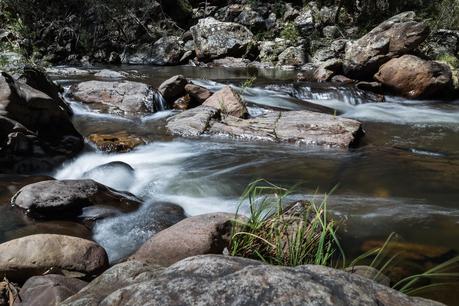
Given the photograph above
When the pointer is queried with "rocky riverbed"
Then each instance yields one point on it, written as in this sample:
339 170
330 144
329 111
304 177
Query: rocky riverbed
119 184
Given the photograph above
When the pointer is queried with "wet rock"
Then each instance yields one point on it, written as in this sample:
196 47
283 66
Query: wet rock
117 175
198 235
123 97
36 131
10 184
197 93
67 71
67 198
414 78
117 142
224 280
397 36
183 103
214 39
173 88
48 290
62 252
123 235
292 56
341 79
300 127
228 102
370 273
328 69
165 51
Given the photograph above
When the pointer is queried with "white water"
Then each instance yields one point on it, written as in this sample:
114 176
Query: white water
206 176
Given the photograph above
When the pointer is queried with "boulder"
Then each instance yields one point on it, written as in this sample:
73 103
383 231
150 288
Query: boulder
415 78
397 36
198 235
119 276
117 142
214 39
229 102
225 280
292 56
197 93
48 290
67 198
33 255
173 88
36 131
165 51
110 74
299 127
120 97
32 227
270 50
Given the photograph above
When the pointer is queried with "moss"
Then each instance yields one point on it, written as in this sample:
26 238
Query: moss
449 59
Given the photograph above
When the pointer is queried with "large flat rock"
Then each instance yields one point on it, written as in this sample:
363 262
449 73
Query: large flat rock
299 127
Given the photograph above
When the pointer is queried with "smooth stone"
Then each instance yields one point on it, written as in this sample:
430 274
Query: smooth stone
33 255
67 198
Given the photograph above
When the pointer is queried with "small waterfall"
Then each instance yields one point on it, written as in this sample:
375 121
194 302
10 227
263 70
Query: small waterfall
155 101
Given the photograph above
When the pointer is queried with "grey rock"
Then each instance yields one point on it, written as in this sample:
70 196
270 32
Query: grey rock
300 127
120 97
214 39
228 102
67 198
292 56
224 280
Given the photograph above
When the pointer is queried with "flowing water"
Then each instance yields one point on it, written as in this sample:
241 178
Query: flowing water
404 178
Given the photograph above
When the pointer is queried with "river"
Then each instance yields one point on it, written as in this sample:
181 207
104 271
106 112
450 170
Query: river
403 178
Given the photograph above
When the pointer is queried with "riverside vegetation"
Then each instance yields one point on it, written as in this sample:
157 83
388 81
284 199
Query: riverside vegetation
129 128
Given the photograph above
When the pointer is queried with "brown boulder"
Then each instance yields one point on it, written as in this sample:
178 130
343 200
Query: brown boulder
173 88
394 37
30 256
415 78
229 102
198 235
197 93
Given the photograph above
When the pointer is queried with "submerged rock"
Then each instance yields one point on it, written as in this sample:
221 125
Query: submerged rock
67 198
395 37
228 102
225 280
117 174
118 142
414 78
198 235
33 255
123 97
48 290
300 127
214 39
